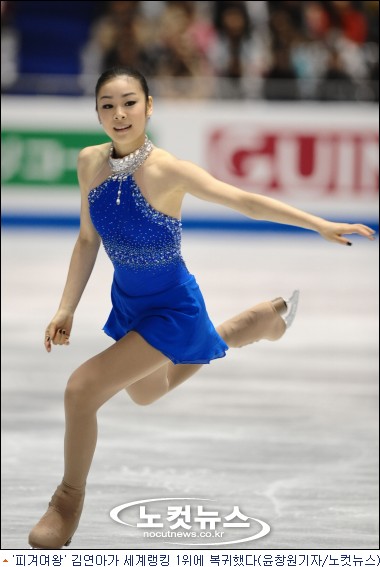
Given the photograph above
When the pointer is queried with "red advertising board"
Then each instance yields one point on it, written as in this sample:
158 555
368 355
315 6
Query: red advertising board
300 164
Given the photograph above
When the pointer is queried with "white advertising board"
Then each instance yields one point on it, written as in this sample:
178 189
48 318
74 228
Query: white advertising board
320 157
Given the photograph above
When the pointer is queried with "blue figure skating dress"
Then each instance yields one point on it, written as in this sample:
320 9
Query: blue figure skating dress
152 291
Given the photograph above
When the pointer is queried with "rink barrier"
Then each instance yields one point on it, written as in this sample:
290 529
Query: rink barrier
214 224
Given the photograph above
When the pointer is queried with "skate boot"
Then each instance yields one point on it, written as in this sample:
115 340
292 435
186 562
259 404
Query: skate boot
57 526
268 320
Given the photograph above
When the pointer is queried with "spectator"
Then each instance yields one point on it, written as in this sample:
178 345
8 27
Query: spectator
118 37
197 49
292 8
336 83
282 31
316 21
180 52
233 54
281 80
9 47
351 21
371 12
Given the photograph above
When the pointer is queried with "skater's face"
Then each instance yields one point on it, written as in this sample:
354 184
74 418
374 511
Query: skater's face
123 109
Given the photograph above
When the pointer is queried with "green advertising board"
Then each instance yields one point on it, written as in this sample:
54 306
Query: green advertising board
43 158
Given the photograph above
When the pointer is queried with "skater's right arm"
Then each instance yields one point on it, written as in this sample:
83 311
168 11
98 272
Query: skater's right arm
83 257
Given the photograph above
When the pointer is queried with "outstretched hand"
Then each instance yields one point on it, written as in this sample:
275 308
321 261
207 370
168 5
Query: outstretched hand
58 330
334 231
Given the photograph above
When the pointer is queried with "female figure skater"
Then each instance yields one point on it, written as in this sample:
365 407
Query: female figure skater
131 200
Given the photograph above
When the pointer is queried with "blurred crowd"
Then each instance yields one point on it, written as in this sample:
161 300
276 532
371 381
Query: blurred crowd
282 50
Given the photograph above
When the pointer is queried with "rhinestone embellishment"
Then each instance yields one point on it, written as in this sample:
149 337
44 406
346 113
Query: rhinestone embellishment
128 164
141 237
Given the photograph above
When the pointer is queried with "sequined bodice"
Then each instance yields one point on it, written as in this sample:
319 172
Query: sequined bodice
143 244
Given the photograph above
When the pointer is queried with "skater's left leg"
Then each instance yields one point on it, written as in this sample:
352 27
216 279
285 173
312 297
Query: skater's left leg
160 382
263 321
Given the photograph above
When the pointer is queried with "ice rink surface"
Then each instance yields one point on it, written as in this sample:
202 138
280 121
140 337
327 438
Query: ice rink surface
288 431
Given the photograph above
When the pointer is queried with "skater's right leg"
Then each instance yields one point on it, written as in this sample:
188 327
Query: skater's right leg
89 387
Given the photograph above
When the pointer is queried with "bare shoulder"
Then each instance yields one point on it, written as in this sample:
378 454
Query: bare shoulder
177 176
91 160
163 168
161 162
92 154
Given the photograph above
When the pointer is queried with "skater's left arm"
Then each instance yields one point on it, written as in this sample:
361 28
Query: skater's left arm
201 184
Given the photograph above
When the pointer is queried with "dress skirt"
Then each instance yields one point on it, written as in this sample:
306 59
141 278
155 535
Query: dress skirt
174 321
